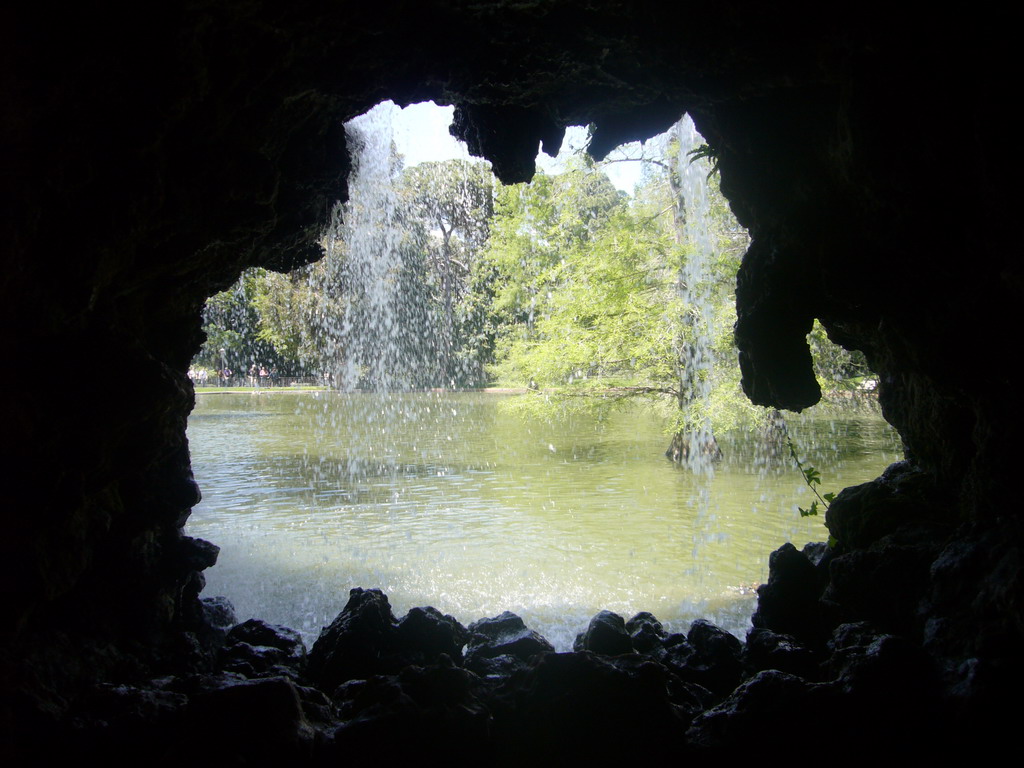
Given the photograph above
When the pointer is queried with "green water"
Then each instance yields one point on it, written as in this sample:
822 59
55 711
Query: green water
448 500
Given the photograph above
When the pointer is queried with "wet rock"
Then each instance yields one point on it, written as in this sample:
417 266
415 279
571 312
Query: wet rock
644 619
713 641
647 640
974 604
252 661
707 656
258 649
112 719
441 685
432 708
496 668
605 634
858 634
864 658
864 514
424 634
760 716
818 554
716 658
674 651
198 684
365 639
316 705
128 706
688 698
219 612
770 650
509 134
885 584
674 639
197 554
251 722
360 642
260 633
789 602
891 689
576 708
505 635
193 651
646 633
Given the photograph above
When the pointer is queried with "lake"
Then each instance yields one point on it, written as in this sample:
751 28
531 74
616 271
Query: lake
450 500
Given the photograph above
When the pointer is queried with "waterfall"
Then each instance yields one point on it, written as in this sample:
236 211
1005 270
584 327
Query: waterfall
383 339
696 446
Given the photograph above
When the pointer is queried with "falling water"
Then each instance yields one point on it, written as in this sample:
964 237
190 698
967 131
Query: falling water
369 344
699 448
403 245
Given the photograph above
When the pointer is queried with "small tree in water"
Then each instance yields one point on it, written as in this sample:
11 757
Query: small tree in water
597 302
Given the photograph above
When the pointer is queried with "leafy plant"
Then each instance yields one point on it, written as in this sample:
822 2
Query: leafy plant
706 152
813 479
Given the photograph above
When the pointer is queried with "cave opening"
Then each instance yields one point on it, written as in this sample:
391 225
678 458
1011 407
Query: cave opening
395 471
205 142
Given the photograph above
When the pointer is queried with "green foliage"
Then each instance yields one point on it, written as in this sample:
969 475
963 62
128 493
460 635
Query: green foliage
813 479
587 310
839 371
565 286
296 321
450 205
595 320
235 329
705 152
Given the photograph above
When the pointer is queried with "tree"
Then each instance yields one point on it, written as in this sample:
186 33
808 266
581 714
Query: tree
319 317
567 286
589 306
595 322
451 204
236 329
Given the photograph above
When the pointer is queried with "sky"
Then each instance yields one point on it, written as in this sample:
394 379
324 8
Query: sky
421 134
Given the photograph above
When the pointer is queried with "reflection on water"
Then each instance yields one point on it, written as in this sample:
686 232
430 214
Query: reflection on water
445 500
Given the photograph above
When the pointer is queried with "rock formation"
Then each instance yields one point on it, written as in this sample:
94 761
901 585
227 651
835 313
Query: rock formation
152 153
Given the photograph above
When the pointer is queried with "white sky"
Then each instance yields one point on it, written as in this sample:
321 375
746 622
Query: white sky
421 134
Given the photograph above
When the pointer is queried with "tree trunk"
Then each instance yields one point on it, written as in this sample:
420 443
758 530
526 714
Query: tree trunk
683 444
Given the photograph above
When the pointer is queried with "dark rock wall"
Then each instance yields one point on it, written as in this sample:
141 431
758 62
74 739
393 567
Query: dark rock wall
148 157
151 154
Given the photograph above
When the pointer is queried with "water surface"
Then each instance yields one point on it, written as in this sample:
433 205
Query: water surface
448 500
